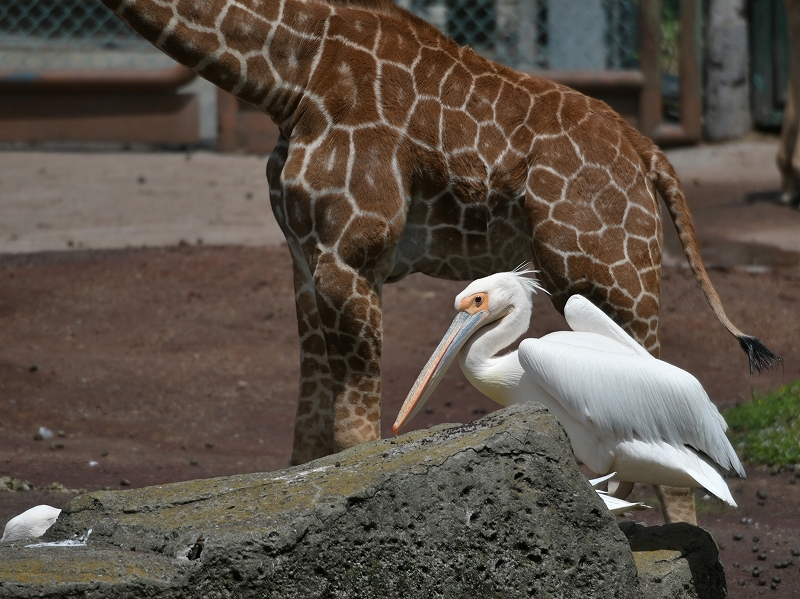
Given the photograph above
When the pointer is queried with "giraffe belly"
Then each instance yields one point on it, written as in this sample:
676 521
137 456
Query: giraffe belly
468 243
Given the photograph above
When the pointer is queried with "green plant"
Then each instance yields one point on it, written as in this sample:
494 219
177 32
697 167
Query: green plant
767 430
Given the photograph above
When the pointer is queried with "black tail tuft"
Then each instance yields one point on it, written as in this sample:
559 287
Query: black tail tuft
760 357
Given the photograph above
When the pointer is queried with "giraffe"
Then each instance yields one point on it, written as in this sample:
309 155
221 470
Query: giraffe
402 152
789 148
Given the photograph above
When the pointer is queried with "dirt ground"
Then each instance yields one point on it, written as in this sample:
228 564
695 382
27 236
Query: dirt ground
154 365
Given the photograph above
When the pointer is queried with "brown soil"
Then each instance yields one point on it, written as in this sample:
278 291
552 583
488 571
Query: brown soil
160 365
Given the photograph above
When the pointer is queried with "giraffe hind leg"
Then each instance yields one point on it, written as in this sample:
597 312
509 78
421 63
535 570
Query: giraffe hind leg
313 433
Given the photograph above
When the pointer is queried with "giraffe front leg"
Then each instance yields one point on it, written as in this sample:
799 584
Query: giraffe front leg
350 313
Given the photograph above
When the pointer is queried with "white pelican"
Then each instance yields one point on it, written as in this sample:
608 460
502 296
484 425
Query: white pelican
30 524
624 411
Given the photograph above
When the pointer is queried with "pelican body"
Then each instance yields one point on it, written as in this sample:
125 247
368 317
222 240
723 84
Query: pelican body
623 410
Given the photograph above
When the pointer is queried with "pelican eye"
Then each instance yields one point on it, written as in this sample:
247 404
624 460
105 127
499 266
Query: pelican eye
478 300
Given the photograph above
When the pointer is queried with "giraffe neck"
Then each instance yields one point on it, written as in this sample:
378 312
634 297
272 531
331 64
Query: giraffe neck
263 51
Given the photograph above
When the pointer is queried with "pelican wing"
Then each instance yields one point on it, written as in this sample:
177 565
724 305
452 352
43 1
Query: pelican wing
593 341
582 315
625 396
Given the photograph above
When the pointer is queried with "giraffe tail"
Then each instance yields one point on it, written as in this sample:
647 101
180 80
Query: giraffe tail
666 182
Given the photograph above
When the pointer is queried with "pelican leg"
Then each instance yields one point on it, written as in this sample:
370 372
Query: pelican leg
677 504
622 491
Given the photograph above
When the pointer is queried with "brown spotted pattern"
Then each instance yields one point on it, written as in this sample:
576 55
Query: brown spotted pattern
402 152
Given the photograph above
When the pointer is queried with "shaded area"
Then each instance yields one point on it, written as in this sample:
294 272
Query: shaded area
662 545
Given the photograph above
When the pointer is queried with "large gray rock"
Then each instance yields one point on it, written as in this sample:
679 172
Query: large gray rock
496 508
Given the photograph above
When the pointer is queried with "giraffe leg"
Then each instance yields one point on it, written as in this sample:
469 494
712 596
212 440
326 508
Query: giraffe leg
789 155
343 245
677 504
313 432
351 317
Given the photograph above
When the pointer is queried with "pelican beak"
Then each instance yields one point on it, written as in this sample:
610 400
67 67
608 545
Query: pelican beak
463 325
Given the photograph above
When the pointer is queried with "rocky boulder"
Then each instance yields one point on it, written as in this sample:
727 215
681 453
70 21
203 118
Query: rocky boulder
496 508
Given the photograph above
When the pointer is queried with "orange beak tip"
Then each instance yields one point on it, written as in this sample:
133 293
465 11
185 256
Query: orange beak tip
394 429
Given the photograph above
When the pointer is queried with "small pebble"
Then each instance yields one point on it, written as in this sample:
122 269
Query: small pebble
193 462
33 368
761 557
761 582
755 539
757 572
743 520
795 552
735 564
741 582
754 549
141 180
429 410
776 579
738 536
125 482
761 494
773 586
43 433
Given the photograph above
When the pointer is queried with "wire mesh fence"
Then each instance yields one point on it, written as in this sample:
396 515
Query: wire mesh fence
585 35
525 34
70 34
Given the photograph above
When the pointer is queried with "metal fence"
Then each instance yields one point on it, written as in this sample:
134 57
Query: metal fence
70 34
565 35
586 35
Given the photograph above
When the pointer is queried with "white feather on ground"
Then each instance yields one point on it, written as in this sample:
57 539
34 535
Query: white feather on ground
30 524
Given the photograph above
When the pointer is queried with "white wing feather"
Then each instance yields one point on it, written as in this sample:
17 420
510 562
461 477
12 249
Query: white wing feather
619 507
582 315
